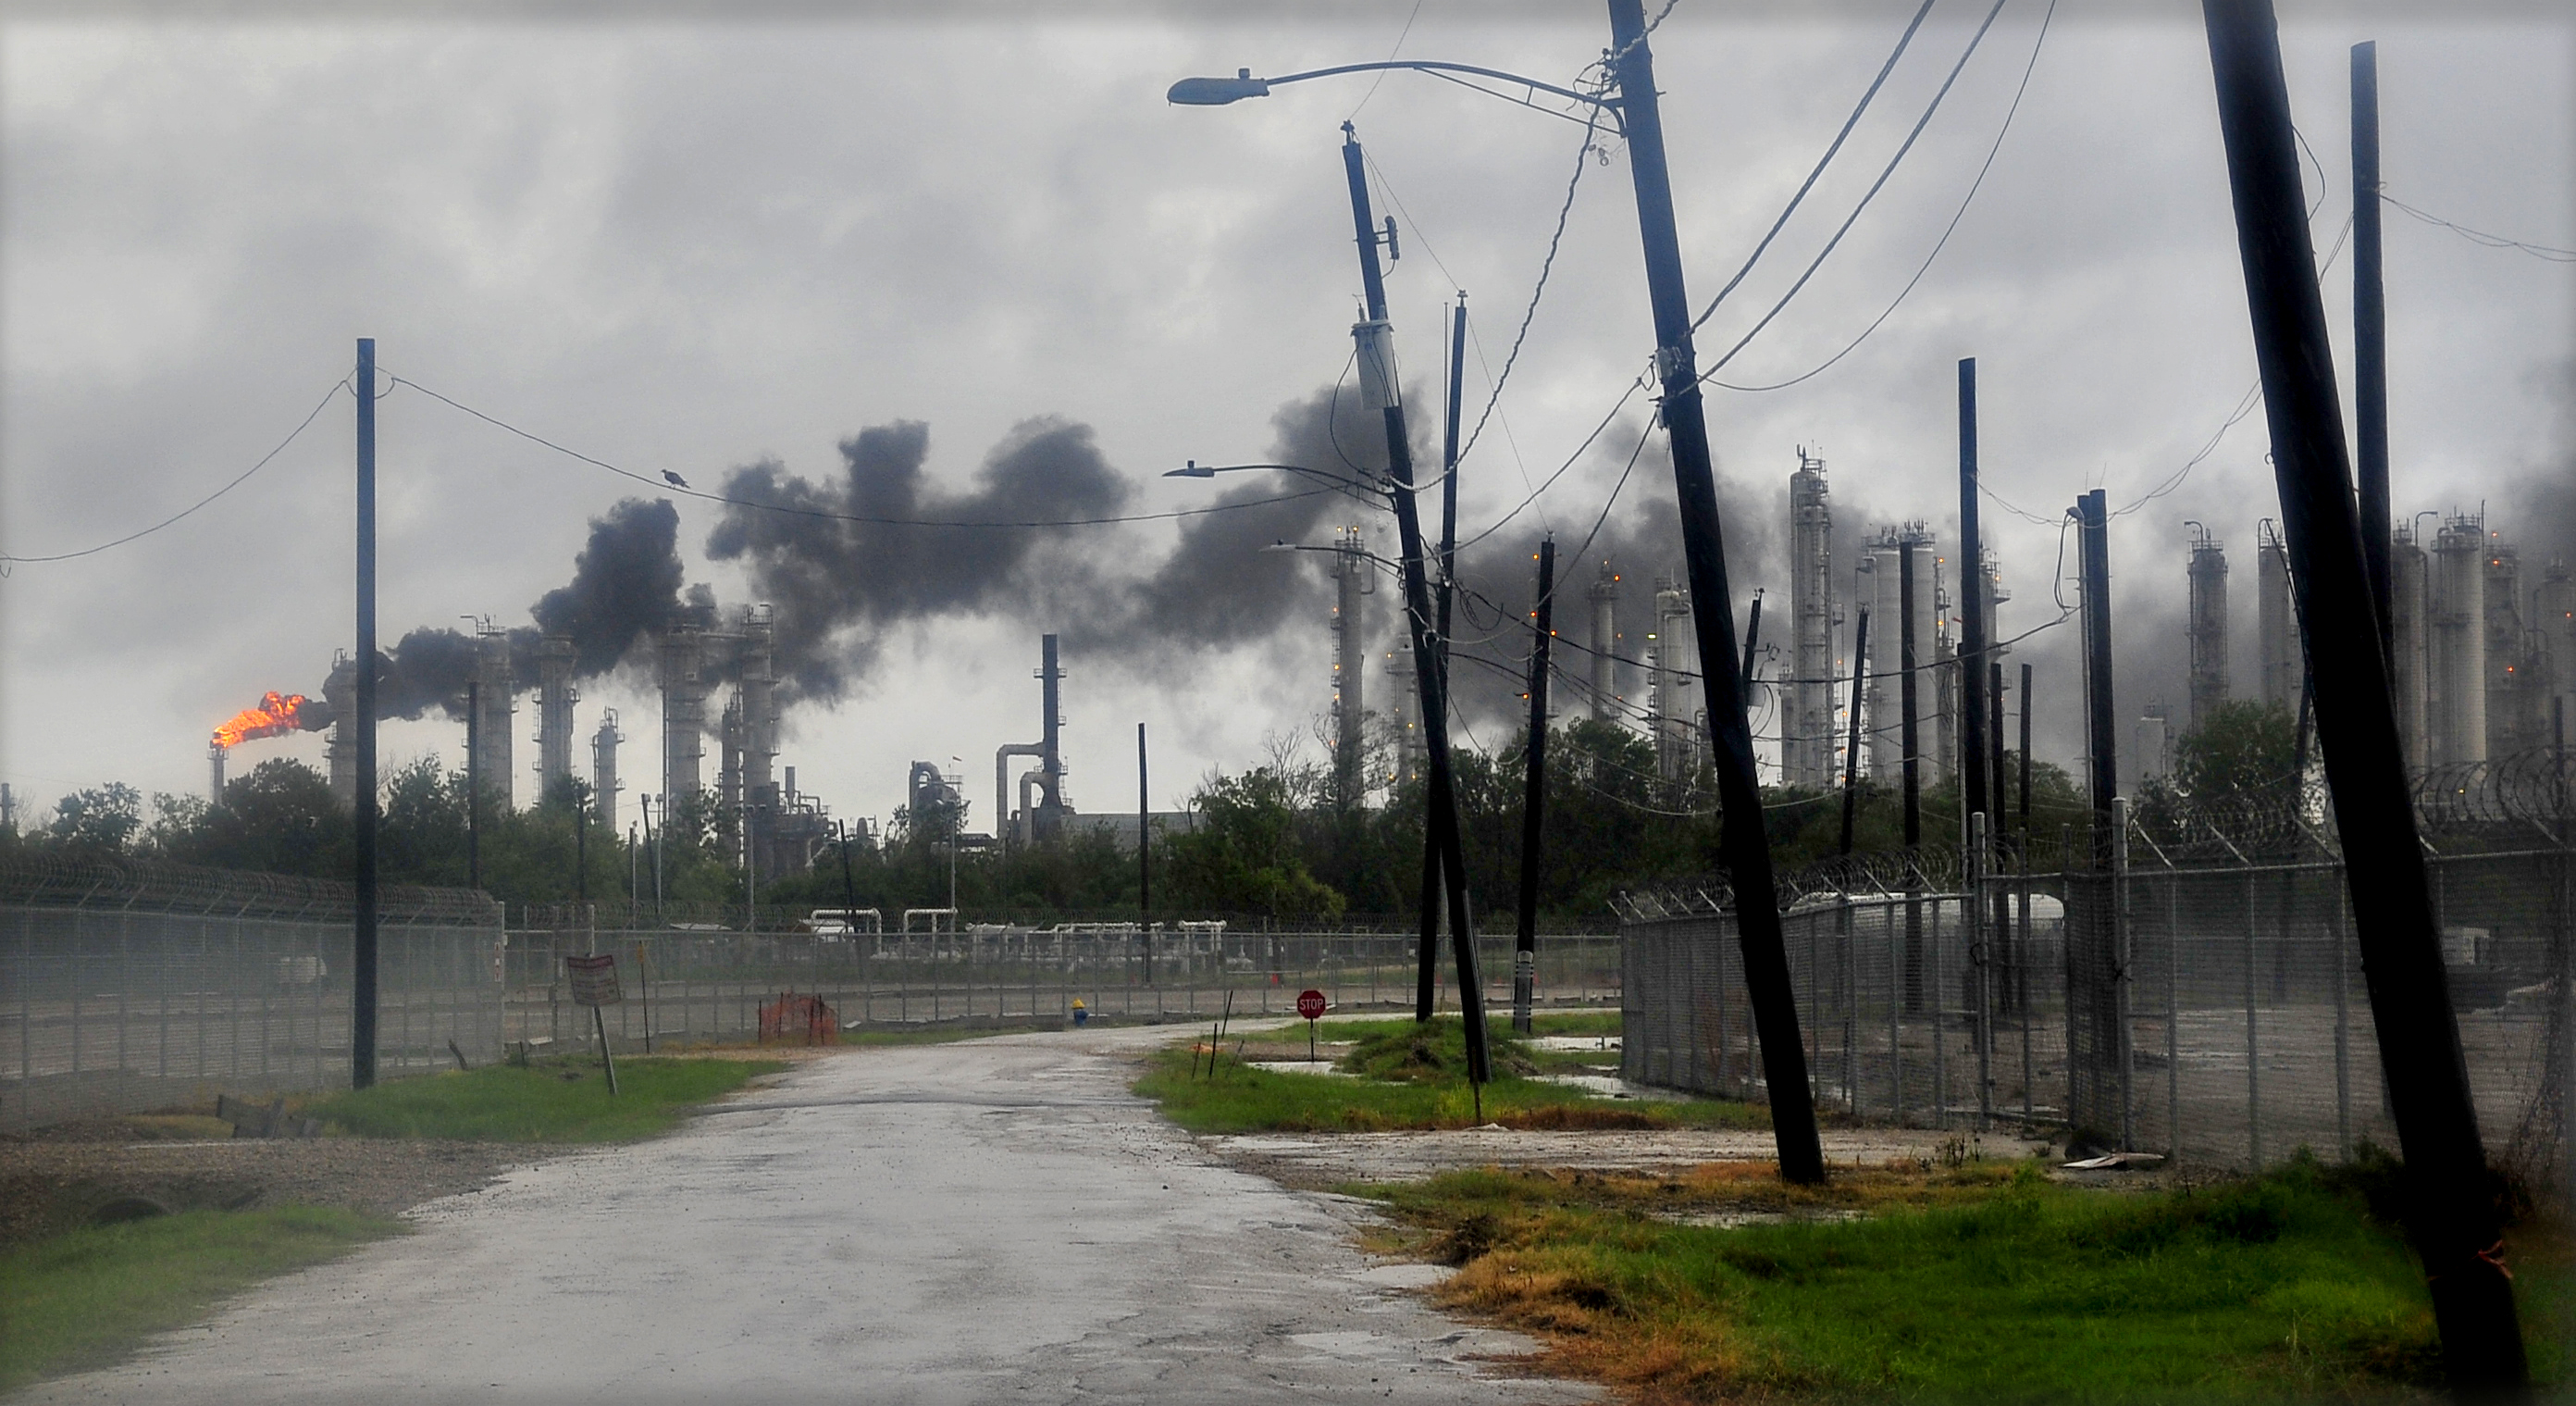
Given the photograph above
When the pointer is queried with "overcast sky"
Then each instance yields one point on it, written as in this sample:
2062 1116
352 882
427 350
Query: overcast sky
696 246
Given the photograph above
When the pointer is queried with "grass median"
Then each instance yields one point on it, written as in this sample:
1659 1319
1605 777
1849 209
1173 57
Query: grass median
562 1100
84 1298
1975 1282
1393 1074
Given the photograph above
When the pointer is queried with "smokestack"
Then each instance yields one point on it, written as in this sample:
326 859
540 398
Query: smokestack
1807 728
684 712
554 713
492 672
758 692
603 769
2517 697
2459 643
1604 594
1051 809
2276 622
1353 580
1887 610
2554 603
215 771
2410 673
1672 694
2207 627
340 690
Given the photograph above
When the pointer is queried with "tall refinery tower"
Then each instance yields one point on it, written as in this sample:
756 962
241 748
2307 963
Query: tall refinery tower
1807 727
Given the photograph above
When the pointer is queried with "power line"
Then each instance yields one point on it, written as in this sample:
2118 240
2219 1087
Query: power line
244 476
1546 266
1938 245
1821 162
1871 194
2491 241
663 485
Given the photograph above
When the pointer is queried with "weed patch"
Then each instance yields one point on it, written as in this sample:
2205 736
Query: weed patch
1980 1281
550 1100
1408 1077
85 1297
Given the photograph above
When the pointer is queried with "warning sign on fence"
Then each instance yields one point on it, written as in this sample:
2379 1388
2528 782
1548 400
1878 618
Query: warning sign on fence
594 980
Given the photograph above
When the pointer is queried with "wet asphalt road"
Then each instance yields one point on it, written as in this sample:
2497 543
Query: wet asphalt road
992 1221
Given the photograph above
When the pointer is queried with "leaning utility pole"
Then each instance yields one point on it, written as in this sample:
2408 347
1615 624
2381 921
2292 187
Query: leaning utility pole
1378 383
1427 968
1973 768
2101 749
1742 842
362 973
2450 1208
1534 792
1851 748
2370 344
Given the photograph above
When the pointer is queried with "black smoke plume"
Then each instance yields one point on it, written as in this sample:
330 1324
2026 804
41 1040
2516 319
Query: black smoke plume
836 583
625 585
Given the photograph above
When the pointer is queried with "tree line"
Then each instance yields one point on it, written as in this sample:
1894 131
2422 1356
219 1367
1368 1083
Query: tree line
1275 841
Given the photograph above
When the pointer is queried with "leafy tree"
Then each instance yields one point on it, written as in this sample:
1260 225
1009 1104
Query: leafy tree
2242 745
1245 855
97 818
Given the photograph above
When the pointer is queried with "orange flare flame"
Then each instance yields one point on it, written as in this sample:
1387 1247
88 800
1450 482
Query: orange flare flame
274 717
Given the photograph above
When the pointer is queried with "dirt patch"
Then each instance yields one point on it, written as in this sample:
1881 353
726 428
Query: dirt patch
58 1178
1319 1161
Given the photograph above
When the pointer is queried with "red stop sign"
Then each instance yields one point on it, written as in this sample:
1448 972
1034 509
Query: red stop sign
1310 1004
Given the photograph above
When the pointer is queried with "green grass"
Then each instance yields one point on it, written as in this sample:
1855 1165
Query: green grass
553 1101
83 1298
1408 1076
1979 1284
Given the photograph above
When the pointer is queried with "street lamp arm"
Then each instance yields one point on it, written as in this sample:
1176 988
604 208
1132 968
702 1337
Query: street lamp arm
1216 92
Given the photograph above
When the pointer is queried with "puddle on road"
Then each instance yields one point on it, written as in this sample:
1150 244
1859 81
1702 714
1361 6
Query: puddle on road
1612 1086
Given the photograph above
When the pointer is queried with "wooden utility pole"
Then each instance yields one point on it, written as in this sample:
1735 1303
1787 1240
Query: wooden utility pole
1534 792
362 731
1743 843
1851 747
2370 344
1973 768
2450 1204
1376 350
1426 984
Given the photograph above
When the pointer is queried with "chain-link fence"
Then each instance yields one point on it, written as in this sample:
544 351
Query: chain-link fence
126 986
682 987
2214 1012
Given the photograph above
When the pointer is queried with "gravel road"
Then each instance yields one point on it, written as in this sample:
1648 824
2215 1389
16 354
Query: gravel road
962 1222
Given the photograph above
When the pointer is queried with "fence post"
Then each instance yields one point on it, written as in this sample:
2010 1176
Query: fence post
2343 1027
1851 1003
2121 958
1895 1010
1975 914
2253 1074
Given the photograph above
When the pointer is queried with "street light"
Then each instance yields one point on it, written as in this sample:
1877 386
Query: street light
1744 846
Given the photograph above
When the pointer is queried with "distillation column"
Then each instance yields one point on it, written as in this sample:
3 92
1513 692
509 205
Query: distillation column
2458 651
495 688
2410 671
555 698
1604 595
2207 624
684 712
2276 622
1807 726
603 769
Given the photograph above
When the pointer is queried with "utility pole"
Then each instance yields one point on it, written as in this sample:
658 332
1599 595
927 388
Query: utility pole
1972 616
2025 756
2370 344
1427 968
1851 747
2450 1207
1745 846
1752 644
2101 749
1144 859
1377 375
580 844
1909 741
1534 793
362 975
474 783
1909 731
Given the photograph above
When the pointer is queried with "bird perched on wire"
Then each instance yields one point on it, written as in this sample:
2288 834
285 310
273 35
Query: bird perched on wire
676 480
